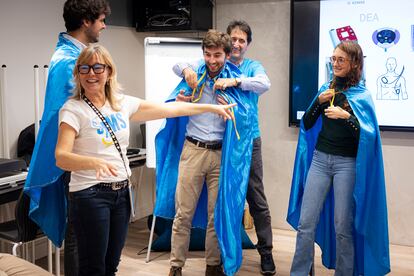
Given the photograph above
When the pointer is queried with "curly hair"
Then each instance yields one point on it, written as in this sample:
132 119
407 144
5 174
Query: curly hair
216 39
356 58
75 11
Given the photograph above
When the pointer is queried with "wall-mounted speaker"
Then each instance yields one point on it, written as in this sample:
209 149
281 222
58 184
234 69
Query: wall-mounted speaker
173 15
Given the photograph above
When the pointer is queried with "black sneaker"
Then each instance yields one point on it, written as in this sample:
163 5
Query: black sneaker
214 270
267 265
175 271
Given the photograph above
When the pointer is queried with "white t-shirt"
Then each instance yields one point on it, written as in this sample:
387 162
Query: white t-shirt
93 139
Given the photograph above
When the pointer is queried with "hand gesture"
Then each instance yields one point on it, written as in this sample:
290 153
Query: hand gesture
104 169
221 100
224 111
222 84
190 77
181 97
326 96
336 112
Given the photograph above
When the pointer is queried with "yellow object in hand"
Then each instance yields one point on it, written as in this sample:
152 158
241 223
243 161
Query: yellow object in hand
332 91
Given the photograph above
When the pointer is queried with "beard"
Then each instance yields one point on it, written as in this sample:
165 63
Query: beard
215 72
92 36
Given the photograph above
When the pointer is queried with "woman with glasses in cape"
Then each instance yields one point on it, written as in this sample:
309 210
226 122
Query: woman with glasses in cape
338 187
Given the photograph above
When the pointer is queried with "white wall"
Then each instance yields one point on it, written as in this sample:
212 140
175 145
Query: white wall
28 31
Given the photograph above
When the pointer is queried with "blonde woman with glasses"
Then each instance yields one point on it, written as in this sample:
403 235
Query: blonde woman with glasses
92 142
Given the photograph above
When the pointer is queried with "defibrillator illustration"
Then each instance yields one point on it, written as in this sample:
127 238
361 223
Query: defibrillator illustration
391 85
342 34
386 37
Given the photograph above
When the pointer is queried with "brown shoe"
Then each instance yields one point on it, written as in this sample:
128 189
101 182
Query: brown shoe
214 270
175 271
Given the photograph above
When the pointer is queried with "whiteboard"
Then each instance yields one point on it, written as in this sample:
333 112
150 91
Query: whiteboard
161 54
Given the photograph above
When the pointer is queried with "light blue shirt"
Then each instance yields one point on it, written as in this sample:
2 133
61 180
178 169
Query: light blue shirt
206 127
77 43
253 79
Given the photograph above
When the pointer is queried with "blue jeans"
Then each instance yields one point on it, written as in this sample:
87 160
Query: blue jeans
327 170
100 219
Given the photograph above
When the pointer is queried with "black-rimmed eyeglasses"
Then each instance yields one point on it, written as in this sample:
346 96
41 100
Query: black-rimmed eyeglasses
97 68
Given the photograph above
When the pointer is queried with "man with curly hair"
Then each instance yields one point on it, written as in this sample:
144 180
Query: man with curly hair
46 183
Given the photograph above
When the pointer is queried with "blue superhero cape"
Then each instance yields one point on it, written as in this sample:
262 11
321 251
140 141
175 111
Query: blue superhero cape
370 218
44 184
234 172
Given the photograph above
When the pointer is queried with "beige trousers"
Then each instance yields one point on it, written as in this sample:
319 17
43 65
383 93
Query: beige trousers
196 165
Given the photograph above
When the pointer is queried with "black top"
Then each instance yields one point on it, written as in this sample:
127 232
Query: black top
337 136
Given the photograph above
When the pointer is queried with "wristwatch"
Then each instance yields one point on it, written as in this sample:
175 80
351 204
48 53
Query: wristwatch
238 81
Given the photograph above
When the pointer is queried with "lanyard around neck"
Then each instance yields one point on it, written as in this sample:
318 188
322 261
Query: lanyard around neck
332 91
200 94
108 127
221 93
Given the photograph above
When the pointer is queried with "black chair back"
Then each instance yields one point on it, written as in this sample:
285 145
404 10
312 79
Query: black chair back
27 229
144 142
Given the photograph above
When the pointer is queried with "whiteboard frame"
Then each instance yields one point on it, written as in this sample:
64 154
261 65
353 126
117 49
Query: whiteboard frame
153 92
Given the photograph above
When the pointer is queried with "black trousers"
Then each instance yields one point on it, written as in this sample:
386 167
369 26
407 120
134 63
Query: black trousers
258 207
71 259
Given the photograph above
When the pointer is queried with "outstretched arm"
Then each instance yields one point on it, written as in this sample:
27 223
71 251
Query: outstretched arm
151 111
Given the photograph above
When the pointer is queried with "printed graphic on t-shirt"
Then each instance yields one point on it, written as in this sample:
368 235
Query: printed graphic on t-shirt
117 123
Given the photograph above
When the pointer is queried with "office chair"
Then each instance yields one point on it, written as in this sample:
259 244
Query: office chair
22 230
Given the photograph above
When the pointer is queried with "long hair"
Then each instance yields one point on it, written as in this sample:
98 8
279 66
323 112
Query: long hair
356 59
112 87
